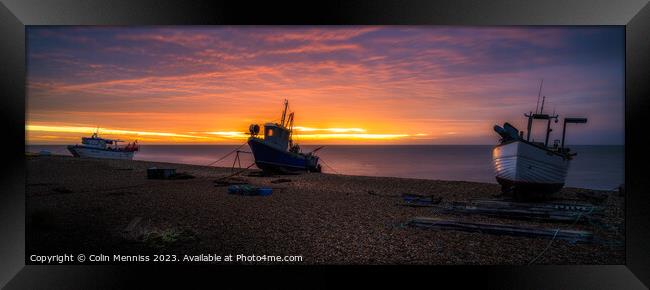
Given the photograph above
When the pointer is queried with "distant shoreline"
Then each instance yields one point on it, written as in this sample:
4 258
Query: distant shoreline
237 144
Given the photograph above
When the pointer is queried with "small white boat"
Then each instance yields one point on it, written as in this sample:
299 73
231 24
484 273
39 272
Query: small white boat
96 147
524 166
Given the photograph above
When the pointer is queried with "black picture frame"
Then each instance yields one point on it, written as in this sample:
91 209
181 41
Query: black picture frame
634 15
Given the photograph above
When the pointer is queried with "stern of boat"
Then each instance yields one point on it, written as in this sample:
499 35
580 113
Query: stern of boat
73 150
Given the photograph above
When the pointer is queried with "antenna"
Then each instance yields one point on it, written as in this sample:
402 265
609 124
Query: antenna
538 95
541 111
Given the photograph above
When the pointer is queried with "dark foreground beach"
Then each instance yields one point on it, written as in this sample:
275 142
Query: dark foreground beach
95 206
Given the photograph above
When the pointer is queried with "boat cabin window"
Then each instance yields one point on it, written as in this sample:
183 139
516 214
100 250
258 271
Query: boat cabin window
269 132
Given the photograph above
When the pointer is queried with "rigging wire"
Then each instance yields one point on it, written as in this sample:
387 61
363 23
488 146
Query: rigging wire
328 166
224 157
238 172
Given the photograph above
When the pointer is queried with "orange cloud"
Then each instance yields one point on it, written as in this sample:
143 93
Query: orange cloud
314 35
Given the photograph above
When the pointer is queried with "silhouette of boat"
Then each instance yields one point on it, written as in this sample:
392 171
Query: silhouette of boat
277 152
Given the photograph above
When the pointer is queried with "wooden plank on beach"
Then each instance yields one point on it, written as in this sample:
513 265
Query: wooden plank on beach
555 206
542 214
501 229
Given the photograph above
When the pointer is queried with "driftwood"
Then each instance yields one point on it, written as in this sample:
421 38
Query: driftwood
500 229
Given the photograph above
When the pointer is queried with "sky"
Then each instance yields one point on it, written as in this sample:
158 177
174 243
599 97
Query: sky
346 84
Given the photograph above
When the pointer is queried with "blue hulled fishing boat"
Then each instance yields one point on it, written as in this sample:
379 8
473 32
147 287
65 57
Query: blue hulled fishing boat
276 151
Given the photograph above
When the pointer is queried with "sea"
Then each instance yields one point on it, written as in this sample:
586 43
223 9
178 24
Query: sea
595 167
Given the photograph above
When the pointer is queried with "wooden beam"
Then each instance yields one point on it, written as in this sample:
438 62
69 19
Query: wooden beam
501 229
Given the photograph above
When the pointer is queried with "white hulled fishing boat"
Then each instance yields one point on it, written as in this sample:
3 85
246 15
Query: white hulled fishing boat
525 166
97 147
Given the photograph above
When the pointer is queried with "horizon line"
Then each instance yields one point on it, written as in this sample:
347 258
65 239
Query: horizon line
236 144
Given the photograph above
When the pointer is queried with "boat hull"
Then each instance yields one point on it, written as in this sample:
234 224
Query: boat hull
524 167
269 158
89 152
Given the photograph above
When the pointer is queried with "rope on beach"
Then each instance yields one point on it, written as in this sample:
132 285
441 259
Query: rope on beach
224 157
238 172
555 235
372 192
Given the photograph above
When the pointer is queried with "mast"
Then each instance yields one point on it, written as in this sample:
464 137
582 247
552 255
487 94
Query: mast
284 113
548 131
563 134
538 94
290 126
530 115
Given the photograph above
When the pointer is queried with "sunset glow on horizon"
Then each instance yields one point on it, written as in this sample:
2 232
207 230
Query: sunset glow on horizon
346 85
